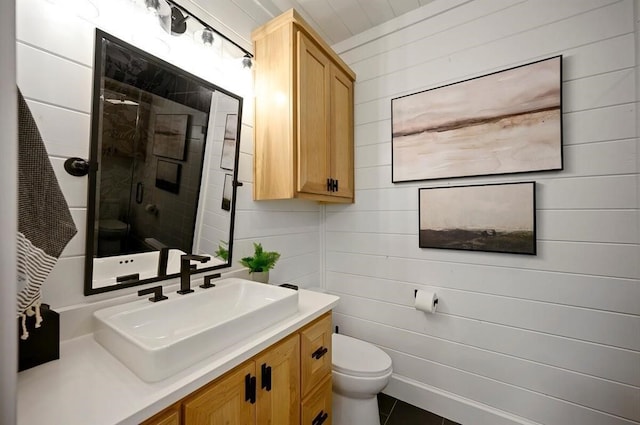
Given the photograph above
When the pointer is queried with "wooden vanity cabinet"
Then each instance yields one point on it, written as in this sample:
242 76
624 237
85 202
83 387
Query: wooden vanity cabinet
303 133
289 383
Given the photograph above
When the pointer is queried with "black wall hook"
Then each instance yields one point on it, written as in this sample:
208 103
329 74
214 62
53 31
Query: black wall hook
77 166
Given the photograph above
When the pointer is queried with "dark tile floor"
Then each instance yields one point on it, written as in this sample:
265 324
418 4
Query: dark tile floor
397 412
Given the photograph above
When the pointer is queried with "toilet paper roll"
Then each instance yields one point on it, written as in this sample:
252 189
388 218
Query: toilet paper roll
426 301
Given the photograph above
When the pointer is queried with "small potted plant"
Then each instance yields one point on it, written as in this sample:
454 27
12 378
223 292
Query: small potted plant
260 264
223 251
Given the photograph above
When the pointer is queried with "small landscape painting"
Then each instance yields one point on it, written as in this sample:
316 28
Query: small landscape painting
170 135
506 122
493 217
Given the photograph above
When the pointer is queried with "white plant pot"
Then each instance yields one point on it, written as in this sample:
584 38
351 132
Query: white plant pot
260 276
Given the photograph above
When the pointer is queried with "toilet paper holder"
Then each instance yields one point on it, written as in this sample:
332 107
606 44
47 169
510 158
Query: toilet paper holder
415 293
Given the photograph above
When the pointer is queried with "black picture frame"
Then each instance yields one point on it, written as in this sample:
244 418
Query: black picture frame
227 192
498 217
168 176
506 122
229 142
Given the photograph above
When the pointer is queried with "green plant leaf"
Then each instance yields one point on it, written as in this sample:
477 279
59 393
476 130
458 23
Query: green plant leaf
261 261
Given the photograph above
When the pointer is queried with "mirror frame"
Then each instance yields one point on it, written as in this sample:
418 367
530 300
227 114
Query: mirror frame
94 161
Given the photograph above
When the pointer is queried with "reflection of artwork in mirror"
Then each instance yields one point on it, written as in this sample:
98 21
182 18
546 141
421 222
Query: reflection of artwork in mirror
138 203
168 176
170 135
229 144
227 190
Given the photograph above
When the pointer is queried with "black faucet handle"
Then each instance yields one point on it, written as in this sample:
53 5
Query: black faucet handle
156 291
207 280
194 257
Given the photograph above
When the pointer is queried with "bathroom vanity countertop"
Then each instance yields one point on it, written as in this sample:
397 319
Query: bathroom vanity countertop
87 385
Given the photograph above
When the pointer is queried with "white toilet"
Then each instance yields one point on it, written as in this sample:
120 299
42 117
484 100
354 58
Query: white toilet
360 371
111 232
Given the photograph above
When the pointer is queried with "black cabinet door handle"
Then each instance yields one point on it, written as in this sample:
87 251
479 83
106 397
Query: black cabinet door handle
266 377
329 185
334 186
250 388
320 418
319 353
139 192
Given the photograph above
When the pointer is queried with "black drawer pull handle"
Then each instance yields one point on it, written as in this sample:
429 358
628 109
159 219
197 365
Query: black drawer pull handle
266 377
250 388
319 420
319 353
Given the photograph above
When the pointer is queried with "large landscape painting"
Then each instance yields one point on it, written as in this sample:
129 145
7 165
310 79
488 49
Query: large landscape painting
495 217
506 122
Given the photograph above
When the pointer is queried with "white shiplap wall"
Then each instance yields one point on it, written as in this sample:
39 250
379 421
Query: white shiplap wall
54 64
552 339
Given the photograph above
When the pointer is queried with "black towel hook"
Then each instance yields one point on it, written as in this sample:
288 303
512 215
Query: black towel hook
77 166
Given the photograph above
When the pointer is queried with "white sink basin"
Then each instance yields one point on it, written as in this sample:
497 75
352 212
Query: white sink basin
156 340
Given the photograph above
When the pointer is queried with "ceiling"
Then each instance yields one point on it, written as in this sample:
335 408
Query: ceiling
334 20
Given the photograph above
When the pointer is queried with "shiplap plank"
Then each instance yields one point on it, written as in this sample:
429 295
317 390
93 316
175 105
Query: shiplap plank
35 26
611 226
531 405
606 293
448 62
351 14
399 33
372 133
597 259
621 399
544 317
73 91
65 132
586 189
597 125
268 223
570 354
394 222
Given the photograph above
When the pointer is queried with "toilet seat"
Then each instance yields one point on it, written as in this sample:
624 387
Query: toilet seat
359 358
111 224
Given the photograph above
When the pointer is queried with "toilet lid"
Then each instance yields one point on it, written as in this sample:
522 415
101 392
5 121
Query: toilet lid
355 357
112 224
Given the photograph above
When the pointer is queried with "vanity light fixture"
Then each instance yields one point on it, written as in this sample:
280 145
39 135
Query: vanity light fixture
204 36
247 61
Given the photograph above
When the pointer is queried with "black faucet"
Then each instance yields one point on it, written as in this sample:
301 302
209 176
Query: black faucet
185 271
163 257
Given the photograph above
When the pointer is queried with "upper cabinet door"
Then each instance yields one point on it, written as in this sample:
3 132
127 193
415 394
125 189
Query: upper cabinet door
314 109
341 141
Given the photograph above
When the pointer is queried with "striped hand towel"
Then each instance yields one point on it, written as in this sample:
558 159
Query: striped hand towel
45 225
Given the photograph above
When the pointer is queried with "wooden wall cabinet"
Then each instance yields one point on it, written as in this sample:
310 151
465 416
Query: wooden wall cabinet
303 134
289 383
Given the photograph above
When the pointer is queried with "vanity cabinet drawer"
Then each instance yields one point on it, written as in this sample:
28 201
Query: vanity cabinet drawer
315 352
316 407
169 416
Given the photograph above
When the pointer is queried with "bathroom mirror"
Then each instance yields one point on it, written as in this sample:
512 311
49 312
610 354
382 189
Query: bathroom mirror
163 176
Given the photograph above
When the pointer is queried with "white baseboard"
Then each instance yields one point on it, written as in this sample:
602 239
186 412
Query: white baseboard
448 405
